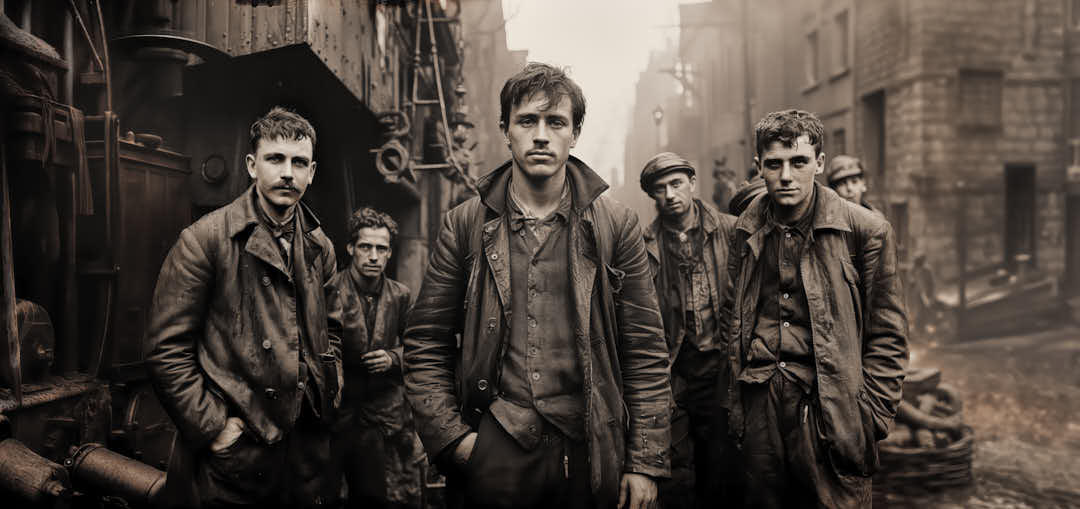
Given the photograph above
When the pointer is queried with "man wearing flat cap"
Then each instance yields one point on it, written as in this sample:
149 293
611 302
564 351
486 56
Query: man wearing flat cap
847 178
688 252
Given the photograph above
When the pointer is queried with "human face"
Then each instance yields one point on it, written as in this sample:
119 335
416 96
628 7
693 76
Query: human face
282 170
540 136
851 188
789 171
673 193
371 251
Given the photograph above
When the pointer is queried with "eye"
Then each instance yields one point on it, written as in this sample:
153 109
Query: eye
382 249
772 164
557 122
275 158
526 121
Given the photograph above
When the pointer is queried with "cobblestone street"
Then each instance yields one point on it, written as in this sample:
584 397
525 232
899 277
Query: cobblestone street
1021 395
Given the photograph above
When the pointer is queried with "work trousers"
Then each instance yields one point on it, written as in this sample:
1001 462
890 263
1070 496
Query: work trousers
704 462
378 467
250 473
786 464
502 474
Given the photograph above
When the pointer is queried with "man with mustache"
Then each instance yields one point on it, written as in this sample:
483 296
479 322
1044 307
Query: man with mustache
819 330
243 346
688 252
534 357
375 444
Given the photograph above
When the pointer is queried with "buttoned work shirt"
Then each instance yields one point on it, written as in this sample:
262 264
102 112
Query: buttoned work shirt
782 340
540 376
692 276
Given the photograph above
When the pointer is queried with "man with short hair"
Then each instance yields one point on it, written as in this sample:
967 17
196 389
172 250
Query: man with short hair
534 356
819 331
375 444
688 252
243 346
847 177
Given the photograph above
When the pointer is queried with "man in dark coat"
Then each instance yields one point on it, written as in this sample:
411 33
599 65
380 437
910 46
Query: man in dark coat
243 346
556 392
375 443
688 253
819 343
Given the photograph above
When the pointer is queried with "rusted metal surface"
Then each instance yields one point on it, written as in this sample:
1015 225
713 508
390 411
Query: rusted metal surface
95 468
31 478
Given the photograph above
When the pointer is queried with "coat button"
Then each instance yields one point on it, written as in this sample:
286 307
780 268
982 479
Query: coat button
270 393
482 385
265 280
494 256
536 376
266 344
300 385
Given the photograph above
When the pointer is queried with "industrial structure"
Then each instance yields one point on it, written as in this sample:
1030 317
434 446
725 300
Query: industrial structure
124 121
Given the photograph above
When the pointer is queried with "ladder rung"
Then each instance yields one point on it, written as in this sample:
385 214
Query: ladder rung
427 101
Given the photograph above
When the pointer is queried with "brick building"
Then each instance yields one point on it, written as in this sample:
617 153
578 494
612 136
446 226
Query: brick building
962 110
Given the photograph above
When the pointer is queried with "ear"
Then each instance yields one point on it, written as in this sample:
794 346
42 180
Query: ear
249 160
820 164
390 254
312 177
349 248
574 137
757 163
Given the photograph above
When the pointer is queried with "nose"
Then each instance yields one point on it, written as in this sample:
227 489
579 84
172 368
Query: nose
669 192
785 172
541 135
286 172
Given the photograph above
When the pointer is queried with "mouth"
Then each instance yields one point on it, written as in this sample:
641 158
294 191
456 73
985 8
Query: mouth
539 154
286 189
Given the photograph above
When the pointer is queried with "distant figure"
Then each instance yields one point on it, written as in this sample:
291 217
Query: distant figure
688 251
723 183
819 331
924 290
375 443
847 178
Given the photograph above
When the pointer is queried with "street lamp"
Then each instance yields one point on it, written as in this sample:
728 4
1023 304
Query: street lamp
658 116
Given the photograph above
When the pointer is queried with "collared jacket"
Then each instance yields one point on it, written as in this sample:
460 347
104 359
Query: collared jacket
616 323
226 322
857 315
377 399
718 229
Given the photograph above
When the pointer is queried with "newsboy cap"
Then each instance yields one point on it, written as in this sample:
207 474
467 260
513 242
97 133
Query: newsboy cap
746 194
661 164
842 167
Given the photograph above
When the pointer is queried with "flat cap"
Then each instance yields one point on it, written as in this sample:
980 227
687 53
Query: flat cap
842 167
746 194
661 164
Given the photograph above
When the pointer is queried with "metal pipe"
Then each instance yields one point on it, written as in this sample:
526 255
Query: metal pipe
31 478
111 473
7 267
105 52
86 34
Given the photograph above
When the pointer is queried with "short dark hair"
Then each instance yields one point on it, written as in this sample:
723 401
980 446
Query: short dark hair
281 123
786 127
539 77
368 217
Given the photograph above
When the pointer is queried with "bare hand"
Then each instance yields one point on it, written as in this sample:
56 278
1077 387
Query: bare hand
377 361
234 427
464 449
637 491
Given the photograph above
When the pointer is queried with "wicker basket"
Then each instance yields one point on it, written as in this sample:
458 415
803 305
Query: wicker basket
912 470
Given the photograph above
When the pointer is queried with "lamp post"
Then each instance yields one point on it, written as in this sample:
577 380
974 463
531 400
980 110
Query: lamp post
658 116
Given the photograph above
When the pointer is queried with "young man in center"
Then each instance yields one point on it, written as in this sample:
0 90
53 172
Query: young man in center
555 391
819 331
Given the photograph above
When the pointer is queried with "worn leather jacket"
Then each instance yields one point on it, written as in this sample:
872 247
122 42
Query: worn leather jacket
618 330
223 335
857 315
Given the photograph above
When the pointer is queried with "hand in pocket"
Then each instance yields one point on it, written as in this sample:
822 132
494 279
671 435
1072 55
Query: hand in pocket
234 427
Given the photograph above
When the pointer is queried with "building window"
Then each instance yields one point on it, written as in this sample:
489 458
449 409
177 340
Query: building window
1019 214
840 59
980 98
811 58
839 141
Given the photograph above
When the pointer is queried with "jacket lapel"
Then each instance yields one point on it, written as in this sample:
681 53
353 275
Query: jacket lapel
496 242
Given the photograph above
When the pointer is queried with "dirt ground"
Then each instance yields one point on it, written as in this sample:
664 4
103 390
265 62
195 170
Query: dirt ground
1021 394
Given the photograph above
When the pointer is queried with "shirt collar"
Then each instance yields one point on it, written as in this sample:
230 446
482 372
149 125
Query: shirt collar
518 215
802 226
